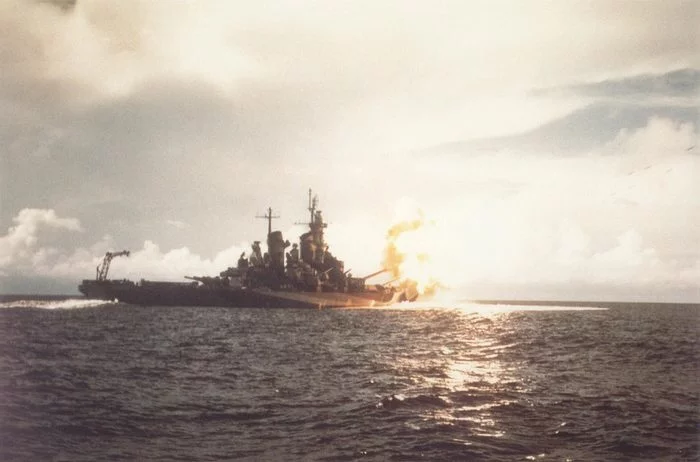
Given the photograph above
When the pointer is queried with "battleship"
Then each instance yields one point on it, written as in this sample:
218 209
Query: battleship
298 275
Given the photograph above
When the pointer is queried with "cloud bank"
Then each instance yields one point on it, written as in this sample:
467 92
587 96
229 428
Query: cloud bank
28 248
618 225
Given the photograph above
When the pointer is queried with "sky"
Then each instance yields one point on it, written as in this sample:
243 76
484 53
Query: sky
550 146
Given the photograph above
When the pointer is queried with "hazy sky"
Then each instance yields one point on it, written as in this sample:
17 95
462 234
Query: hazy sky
551 144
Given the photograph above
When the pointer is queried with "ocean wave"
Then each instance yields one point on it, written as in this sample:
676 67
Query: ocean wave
250 384
422 400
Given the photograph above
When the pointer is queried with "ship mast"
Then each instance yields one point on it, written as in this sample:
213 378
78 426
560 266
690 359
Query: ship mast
269 218
313 202
316 223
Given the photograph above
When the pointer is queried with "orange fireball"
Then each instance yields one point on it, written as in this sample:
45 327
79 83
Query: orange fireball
407 253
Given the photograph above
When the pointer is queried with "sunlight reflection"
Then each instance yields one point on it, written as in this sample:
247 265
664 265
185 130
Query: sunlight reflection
486 309
471 307
469 373
472 378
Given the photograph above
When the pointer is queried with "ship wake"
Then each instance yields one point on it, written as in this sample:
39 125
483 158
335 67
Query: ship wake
67 304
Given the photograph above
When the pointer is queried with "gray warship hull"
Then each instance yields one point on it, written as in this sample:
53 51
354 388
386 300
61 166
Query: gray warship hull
156 293
95 289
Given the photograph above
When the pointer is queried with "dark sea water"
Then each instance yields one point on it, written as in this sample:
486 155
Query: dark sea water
89 381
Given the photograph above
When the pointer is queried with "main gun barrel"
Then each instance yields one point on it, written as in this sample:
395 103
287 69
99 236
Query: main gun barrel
376 273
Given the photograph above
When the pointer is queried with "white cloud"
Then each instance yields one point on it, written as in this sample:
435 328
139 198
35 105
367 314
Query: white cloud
109 48
150 262
660 141
22 241
30 249
388 58
177 224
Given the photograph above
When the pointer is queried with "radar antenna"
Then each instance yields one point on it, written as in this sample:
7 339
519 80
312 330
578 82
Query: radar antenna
315 216
103 268
313 203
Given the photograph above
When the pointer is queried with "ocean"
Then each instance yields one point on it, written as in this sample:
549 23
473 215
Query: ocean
84 380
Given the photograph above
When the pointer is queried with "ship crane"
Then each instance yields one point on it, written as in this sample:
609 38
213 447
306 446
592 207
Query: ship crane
103 268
